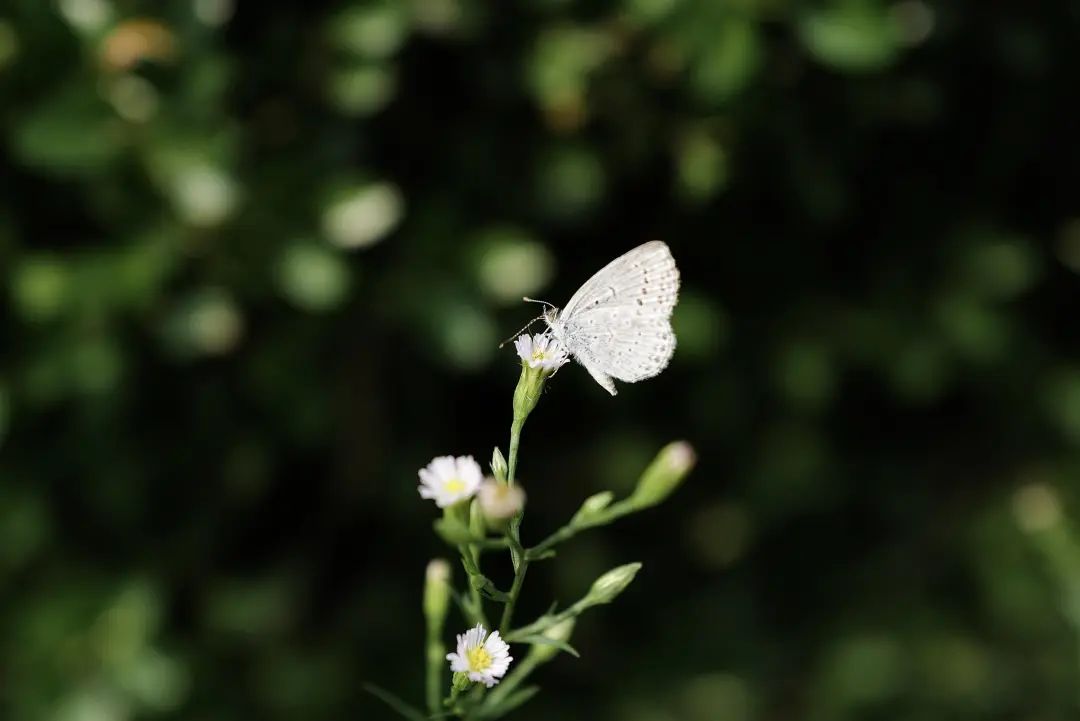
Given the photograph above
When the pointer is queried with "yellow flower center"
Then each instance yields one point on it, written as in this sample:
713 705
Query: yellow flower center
454 485
539 355
479 659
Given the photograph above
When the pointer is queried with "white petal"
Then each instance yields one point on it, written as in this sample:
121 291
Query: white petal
457 663
523 344
443 467
469 471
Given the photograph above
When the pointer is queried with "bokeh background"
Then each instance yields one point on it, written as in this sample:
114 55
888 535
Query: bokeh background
257 257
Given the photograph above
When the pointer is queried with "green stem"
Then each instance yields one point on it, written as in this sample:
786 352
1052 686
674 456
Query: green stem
478 605
515 589
563 534
490 544
436 660
470 563
515 441
509 684
513 533
452 701
545 622
572 529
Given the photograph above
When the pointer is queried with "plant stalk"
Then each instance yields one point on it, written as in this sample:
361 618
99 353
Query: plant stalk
436 660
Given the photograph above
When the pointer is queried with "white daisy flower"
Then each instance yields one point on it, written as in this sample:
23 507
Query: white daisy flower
483 658
450 480
541 351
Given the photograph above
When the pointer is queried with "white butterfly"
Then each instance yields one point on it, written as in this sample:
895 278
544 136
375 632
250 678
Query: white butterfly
618 325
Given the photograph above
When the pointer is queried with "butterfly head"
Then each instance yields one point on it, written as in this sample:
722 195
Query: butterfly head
550 314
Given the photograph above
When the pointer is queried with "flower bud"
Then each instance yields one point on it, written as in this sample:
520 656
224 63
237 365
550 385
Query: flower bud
453 530
500 502
476 519
560 633
592 506
460 682
437 592
606 588
528 390
498 465
664 474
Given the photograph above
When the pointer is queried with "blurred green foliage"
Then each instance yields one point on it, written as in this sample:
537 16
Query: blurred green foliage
257 259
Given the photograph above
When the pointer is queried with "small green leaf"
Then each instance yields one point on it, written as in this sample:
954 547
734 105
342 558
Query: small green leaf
544 622
539 640
402 708
484 585
514 700
494 594
469 564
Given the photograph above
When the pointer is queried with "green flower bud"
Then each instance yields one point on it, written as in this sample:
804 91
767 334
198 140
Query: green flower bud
592 506
476 520
606 588
460 681
498 465
541 355
437 593
453 530
664 474
527 393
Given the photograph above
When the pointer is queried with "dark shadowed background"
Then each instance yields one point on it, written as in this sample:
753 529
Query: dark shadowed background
257 258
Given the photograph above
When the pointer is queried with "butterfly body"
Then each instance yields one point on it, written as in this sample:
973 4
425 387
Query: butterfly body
618 324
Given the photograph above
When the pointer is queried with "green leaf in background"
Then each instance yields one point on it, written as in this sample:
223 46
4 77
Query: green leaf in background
855 36
313 277
728 62
72 132
9 44
541 640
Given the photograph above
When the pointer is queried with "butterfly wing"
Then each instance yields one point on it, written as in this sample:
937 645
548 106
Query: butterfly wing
598 375
648 263
619 323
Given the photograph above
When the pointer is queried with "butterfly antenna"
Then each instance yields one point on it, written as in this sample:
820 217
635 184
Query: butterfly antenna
527 326
533 300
